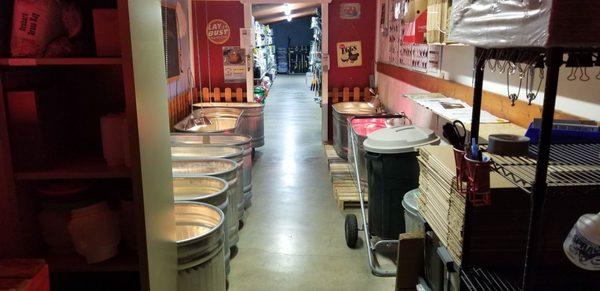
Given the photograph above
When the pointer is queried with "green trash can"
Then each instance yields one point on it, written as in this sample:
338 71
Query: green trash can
392 171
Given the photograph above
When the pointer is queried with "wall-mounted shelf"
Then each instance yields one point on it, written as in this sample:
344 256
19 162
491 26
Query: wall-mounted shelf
77 168
32 62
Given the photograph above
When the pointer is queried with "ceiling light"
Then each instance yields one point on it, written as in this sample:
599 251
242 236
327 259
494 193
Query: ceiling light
287 9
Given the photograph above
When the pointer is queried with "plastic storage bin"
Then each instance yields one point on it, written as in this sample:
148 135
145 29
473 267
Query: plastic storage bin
392 170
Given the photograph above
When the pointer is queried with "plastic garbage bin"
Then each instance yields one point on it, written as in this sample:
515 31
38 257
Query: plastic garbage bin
392 170
362 126
413 221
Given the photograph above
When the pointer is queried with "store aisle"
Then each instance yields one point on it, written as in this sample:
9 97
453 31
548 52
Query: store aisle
293 238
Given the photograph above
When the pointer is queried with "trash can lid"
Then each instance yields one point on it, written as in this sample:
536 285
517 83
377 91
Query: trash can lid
399 139
411 201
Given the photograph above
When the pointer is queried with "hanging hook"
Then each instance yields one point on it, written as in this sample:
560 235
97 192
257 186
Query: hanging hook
492 67
584 75
512 68
520 70
572 76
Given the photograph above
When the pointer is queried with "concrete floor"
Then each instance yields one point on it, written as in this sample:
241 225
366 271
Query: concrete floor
293 238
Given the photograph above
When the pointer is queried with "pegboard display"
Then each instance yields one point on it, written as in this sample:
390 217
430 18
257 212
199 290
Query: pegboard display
393 50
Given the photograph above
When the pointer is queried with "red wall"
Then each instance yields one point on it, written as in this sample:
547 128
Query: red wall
207 53
363 30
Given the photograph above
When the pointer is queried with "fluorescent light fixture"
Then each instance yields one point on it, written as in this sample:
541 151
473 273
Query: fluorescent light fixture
289 18
287 9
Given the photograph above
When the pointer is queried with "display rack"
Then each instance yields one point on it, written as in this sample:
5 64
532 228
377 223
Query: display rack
264 53
68 97
314 62
534 176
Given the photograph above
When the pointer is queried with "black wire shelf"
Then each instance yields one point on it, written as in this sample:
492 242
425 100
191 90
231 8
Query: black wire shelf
570 165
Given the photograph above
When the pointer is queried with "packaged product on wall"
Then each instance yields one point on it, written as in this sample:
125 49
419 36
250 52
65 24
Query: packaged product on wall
35 24
415 21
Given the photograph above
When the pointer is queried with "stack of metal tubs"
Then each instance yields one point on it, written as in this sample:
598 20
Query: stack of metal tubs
213 164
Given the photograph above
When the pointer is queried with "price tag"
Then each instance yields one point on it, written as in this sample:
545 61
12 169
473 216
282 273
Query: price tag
325 62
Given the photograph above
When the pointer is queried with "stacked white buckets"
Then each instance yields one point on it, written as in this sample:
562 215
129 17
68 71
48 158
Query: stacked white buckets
213 170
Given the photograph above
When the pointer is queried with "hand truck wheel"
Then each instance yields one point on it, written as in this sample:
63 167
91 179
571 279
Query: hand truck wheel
351 230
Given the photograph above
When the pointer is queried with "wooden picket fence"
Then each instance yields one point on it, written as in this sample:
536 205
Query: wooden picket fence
355 94
179 108
225 95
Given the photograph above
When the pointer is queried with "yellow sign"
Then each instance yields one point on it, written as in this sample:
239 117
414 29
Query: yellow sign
217 31
349 54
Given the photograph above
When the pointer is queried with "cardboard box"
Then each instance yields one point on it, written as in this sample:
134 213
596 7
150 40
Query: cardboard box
410 260
106 32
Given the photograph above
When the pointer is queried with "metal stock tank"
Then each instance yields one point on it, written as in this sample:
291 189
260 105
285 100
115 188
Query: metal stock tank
223 139
252 121
200 255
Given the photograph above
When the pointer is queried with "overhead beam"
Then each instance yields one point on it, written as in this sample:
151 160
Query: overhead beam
278 9
284 17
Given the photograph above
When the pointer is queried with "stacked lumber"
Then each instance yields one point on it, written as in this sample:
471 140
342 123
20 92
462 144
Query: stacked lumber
345 191
435 184
331 155
497 231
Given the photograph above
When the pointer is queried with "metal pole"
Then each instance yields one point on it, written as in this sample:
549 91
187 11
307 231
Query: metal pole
477 96
477 91
538 195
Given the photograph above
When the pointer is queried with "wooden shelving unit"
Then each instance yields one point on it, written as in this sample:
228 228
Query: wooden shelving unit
126 261
31 62
70 97
77 168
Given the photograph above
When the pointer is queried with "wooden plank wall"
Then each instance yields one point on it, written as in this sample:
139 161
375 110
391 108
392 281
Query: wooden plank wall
346 94
179 108
521 114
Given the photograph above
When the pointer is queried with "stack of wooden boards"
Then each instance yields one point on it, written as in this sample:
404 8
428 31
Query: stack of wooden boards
497 231
497 234
345 190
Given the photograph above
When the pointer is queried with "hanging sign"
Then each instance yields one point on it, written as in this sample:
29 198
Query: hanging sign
349 54
234 64
217 31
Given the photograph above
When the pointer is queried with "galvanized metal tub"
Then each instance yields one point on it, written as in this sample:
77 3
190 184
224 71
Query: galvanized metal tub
252 122
200 255
223 139
341 112
227 170
187 153
209 190
222 121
